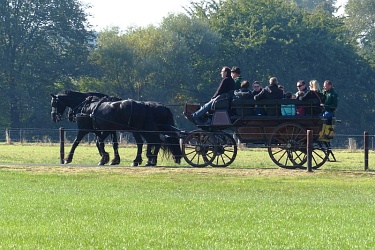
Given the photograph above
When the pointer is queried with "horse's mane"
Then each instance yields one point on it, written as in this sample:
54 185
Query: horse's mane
69 92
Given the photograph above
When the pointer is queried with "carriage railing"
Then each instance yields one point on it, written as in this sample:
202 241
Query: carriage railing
242 108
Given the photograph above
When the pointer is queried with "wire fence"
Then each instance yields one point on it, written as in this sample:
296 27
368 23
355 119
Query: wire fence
41 135
38 138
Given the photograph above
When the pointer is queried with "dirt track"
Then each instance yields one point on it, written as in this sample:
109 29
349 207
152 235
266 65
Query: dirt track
166 170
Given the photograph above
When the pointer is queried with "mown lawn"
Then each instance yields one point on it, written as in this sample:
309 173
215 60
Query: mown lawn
251 205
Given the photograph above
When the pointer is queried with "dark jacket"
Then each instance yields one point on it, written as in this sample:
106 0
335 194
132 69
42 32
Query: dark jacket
257 92
226 85
314 95
270 92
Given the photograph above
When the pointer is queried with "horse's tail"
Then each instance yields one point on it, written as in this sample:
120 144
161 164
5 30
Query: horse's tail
171 147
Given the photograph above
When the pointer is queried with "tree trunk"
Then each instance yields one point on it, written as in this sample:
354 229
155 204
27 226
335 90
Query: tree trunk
14 104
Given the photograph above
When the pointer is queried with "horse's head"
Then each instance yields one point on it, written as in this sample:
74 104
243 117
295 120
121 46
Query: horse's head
58 108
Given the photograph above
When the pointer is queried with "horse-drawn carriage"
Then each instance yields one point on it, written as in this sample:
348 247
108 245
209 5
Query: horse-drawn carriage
212 144
285 137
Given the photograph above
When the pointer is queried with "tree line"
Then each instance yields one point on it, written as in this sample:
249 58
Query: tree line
49 46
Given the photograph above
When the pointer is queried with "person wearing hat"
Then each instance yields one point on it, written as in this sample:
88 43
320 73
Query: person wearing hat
236 75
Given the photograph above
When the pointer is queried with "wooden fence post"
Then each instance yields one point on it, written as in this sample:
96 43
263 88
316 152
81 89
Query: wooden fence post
309 149
62 142
365 143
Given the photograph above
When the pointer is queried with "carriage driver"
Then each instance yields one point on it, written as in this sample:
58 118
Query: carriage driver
226 85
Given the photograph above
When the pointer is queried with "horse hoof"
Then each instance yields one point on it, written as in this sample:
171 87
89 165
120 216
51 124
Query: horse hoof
101 163
67 161
114 163
150 164
135 164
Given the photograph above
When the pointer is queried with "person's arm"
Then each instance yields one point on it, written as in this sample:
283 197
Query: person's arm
260 95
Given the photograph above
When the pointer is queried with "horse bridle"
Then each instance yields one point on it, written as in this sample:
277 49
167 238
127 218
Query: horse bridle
71 115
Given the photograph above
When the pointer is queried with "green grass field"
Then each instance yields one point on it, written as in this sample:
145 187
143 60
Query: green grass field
250 205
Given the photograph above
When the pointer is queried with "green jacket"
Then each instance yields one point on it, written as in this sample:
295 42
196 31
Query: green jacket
237 82
331 100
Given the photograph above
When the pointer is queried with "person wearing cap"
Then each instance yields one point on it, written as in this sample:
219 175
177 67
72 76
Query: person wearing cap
236 75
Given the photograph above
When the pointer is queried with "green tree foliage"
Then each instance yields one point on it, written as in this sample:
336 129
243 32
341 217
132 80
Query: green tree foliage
312 5
111 67
360 20
273 38
41 43
180 60
153 63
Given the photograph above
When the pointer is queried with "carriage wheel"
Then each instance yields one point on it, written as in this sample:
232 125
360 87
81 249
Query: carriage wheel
319 157
287 146
198 149
226 150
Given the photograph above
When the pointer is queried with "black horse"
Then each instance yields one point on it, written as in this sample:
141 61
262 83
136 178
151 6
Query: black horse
85 126
163 137
104 118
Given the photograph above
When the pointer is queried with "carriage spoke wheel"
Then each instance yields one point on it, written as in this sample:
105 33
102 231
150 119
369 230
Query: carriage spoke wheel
226 150
198 149
319 156
287 146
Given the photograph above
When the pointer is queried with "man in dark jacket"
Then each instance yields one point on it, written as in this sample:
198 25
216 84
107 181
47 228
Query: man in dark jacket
226 85
271 91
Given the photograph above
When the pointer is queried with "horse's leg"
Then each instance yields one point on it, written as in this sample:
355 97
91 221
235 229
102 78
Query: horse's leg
98 145
139 141
76 142
116 159
153 147
152 156
100 141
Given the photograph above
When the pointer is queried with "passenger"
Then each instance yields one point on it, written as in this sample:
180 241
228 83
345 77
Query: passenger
330 102
271 91
302 90
244 92
314 94
288 109
257 88
226 86
236 75
282 88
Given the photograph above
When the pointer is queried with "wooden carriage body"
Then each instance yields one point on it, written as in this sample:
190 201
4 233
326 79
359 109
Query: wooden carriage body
284 136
